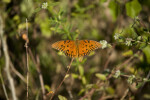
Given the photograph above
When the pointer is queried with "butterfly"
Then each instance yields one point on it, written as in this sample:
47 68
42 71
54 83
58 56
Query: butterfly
77 48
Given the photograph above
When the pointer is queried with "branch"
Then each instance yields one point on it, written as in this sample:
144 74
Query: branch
27 60
3 85
37 64
109 76
7 63
62 80
125 94
17 73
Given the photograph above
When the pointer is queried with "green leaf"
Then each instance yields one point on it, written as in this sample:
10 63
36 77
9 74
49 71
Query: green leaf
74 75
110 90
81 91
127 53
133 8
146 51
6 1
27 7
100 76
47 87
81 70
62 97
114 9
83 80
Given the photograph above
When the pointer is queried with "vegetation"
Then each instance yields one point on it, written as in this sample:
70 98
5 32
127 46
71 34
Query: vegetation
31 70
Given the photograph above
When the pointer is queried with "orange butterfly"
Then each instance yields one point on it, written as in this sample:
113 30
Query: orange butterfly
76 48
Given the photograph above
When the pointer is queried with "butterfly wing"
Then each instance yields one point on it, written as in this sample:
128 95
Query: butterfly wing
86 46
67 46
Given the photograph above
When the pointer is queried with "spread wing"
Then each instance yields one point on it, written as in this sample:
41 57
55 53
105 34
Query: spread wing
86 46
67 46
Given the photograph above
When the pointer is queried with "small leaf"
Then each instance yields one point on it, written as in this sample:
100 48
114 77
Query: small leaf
133 8
74 75
114 9
62 97
128 53
100 76
81 70
67 76
83 80
47 87
81 91
146 51
110 90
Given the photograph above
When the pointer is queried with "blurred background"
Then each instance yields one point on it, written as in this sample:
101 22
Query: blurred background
120 72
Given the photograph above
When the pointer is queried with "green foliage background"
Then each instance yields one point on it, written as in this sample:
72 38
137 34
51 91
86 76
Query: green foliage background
84 19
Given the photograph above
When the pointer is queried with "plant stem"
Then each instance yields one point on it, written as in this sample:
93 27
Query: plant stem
62 80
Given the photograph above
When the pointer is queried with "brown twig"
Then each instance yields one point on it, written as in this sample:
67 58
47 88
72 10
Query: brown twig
7 62
37 64
108 97
120 66
17 73
3 85
62 80
148 76
27 62
41 78
109 76
91 91
125 94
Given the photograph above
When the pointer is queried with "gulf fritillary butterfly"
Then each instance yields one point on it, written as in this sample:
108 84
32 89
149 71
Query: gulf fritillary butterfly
76 48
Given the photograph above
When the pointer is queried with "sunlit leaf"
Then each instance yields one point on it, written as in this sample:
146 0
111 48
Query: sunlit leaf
100 76
62 97
146 51
133 8
114 8
81 70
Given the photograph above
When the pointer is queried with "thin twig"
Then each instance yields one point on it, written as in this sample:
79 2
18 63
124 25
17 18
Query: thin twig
88 94
3 85
120 66
109 76
125 94
62 80
108 97
41 78
37 64
7 63
17 73
148 76
27 65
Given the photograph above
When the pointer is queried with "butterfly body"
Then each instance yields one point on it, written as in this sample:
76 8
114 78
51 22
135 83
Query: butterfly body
76 48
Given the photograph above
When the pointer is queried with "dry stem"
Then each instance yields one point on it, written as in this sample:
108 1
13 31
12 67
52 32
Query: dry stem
27 65
7 63
37 64
62 80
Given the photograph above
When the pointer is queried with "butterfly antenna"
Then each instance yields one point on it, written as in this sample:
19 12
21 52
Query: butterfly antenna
63 79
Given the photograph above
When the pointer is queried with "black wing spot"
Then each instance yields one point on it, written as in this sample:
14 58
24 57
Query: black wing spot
67 45
64 41
68 41
67 51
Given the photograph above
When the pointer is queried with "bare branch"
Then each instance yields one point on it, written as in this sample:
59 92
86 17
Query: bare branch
62 80
7 62
27 60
